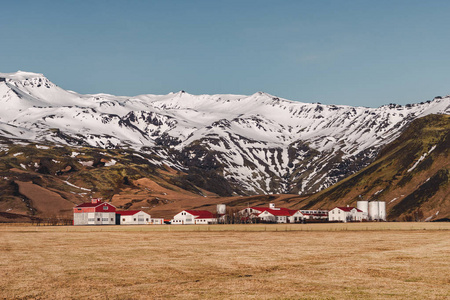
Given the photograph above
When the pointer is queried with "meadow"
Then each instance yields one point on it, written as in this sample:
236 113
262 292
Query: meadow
296 261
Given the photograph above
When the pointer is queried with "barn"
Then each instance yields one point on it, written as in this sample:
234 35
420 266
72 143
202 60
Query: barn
194 217
132 217
94 213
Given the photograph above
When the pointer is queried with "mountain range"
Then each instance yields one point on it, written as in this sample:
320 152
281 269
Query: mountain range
228 145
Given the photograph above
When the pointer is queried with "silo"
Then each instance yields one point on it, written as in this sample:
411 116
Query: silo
382 210
373 210
221 209
364 207
377 210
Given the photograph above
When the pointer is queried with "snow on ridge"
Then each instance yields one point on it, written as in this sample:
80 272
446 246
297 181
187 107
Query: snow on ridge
421 158
260 128
21 75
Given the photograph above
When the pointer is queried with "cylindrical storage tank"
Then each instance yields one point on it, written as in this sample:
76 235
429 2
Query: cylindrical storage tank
374 212
221 209
364 207
382 210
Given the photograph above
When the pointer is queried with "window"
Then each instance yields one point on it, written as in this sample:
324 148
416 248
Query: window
123 219
112 219
135 219
79 209
98 219
146 219
105 207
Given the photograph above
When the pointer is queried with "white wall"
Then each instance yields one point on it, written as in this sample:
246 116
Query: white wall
183 218
139 218
95 218
337 215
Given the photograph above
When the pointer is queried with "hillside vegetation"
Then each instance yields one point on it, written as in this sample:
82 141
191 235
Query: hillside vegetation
411 174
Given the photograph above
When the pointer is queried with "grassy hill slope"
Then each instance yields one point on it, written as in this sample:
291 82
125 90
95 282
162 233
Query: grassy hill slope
411 174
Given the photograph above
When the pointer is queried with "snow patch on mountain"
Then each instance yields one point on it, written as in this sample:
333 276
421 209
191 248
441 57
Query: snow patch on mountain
260 142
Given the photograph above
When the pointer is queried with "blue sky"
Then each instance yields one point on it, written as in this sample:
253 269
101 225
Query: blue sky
362 53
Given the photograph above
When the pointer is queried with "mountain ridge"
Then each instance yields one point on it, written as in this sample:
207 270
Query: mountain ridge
258 143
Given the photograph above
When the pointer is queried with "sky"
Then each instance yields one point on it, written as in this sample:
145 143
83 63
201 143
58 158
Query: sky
353 52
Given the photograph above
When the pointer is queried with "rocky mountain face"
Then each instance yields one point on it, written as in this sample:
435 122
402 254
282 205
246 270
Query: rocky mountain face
411 174
228 144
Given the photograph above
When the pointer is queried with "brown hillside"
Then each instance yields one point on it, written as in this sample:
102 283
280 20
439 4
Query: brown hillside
411 174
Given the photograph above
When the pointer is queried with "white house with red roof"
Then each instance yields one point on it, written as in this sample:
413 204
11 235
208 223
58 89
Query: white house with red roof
133 217
94 213
194 217
273 214
345 214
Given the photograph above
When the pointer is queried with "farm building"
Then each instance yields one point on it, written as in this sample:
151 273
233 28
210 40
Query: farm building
194 217
272 214
345 214
94 213
157 221
315 214
132 217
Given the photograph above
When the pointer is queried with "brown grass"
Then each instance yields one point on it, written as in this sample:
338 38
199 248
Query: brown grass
317 261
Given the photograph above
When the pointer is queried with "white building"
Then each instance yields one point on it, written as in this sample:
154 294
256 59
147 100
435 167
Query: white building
192 217
94 213
132 217
345 214
314 214
272 214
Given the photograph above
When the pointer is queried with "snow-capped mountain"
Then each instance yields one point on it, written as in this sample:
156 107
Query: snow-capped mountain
258 143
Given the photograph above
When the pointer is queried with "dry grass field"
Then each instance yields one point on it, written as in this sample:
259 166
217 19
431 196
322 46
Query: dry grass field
315 261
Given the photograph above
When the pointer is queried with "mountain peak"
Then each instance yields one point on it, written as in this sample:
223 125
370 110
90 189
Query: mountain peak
21 75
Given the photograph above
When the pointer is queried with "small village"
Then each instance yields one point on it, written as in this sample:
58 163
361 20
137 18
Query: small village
98 212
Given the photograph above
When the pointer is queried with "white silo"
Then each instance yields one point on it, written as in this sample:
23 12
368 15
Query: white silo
373 210
364 207
221 209
382 210
377 210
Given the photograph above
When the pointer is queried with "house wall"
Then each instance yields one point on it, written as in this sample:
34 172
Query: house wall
206 221
94 218
157 221
183 218
80 219
139 218
337 215
267 217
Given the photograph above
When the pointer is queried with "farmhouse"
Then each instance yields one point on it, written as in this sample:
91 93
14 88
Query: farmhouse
94 213
194 217
272 214
345 214
132 217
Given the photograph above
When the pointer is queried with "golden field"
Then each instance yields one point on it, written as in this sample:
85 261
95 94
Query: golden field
297 261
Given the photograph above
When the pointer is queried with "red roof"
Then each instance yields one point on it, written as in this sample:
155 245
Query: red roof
348 208
201 214
279 211
127 212
90 204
